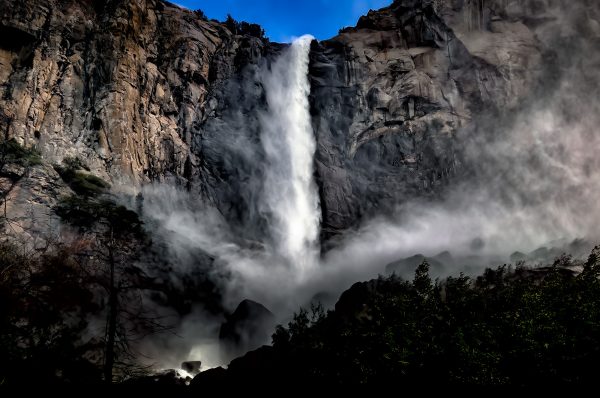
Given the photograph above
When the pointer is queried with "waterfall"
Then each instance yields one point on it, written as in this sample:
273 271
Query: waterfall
289 199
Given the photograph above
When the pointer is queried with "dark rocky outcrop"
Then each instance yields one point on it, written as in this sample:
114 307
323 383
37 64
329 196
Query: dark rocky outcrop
247 328
257 369
210 379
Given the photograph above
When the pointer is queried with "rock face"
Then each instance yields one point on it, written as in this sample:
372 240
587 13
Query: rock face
260 368
250 326
122 85
145 91
119 83
390 95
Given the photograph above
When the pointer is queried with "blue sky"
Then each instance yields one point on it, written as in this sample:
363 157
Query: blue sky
285 19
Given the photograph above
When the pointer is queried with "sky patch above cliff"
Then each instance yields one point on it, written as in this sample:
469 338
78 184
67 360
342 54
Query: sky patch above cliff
283 20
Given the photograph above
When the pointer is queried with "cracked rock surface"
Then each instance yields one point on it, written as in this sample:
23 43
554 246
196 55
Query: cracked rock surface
146 91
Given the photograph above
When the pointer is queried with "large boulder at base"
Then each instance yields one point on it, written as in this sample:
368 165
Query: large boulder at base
247 328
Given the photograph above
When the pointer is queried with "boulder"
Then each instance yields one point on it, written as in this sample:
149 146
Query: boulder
247 328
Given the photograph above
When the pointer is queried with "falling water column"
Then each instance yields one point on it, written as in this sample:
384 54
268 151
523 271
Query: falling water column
290 199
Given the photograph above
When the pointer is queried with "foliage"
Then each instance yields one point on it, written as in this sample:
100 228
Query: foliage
49 296
200 14
13 152
76 174
75 163
84 212
244 28
506 327
117 239
44 311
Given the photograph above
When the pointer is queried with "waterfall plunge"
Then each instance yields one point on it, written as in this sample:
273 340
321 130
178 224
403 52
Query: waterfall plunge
290 199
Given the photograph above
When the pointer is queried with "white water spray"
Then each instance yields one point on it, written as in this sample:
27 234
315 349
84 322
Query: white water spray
290 200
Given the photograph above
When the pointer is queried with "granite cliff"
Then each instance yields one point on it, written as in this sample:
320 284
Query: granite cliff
145 91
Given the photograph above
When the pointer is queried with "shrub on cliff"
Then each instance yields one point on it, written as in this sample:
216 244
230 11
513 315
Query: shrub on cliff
76 174
13 152
244 28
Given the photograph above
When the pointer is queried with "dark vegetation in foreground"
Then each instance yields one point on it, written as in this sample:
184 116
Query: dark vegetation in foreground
71 312
75 307
514 326
509 326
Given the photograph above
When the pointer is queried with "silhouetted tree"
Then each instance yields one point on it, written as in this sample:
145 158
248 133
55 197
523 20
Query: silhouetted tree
509 326
244 28
44 309
117 236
